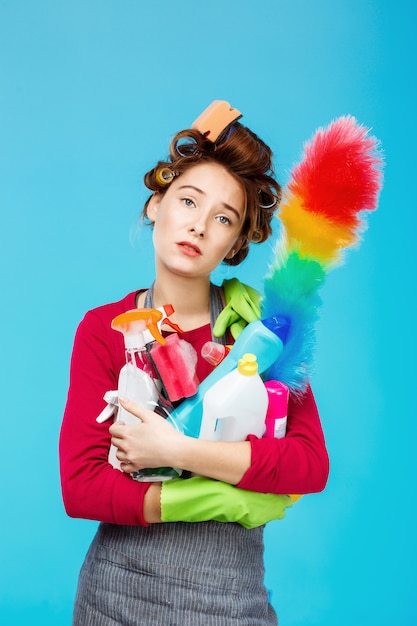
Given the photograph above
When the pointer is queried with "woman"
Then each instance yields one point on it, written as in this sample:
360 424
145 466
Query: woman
210 200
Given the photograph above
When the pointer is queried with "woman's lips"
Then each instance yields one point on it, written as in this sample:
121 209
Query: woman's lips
189 248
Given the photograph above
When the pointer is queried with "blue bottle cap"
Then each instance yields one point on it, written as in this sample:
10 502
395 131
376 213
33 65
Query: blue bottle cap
279 325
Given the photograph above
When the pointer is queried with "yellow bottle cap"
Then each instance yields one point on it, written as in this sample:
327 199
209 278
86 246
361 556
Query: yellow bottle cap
248 365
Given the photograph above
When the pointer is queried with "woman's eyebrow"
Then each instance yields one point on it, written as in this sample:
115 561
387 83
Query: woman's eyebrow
191 187
226 206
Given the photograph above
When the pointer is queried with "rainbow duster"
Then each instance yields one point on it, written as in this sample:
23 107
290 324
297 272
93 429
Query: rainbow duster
338 178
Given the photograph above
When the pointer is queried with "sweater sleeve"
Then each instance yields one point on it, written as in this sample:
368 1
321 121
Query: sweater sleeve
296 464
91 487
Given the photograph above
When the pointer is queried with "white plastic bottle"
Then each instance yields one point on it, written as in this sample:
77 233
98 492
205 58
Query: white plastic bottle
236 405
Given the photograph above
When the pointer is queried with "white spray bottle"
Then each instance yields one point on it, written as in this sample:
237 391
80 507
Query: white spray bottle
134 382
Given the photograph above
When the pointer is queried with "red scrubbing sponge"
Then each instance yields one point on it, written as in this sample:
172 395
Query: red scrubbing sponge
175 362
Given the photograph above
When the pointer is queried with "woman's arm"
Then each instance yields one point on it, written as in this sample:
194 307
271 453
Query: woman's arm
296 464
152 504
91 487
154 442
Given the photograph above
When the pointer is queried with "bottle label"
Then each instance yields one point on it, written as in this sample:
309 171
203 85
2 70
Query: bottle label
280 427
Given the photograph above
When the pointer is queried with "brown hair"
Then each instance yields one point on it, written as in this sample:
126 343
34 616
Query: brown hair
245 156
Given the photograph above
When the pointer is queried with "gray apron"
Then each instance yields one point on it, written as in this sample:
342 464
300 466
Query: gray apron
174 574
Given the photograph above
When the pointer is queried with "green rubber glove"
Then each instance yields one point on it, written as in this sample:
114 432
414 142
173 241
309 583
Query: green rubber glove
242 307
200 499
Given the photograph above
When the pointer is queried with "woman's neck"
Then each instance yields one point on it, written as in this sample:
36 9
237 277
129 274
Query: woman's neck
190 299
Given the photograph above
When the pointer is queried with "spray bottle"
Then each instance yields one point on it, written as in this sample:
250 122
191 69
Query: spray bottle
264 338
236 405
134 382
135 378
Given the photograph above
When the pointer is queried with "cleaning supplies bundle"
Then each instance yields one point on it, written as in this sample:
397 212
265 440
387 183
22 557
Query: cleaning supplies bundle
336 182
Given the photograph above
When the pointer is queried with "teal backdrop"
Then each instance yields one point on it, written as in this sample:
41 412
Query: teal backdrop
91 91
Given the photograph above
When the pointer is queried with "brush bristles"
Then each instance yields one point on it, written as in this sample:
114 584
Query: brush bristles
339 177
313 235
340 174
291 289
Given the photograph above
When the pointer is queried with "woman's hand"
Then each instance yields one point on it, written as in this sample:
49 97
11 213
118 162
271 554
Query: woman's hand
152 442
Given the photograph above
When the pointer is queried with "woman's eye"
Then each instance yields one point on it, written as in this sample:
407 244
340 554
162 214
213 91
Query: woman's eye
223 219
188 202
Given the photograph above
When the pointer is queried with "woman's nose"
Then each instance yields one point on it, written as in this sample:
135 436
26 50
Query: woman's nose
198 228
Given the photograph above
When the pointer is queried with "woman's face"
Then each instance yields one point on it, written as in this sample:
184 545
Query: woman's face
198 220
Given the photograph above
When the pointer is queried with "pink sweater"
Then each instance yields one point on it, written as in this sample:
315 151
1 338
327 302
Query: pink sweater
92 489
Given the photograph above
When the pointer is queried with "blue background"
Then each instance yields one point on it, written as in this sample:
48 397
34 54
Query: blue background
91 92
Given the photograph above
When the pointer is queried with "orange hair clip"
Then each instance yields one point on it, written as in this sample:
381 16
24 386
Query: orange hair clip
213 120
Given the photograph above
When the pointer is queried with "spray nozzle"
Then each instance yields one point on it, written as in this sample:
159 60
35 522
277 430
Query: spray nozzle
135 322
168 310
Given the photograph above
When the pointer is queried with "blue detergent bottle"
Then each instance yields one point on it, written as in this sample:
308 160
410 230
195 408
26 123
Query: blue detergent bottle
263 338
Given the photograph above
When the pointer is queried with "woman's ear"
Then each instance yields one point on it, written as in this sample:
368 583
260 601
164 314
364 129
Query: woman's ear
152 208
